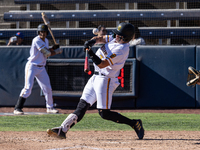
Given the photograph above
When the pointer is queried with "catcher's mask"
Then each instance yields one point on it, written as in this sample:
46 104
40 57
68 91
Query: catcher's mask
126 30
42 27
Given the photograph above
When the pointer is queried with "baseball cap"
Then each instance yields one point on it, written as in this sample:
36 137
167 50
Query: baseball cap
19 34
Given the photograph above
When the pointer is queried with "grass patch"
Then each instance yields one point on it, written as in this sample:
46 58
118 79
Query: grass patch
151 121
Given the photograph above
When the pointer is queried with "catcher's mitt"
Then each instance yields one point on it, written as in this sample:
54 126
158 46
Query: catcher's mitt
193 76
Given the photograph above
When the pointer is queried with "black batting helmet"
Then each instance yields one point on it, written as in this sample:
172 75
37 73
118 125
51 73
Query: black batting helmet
126 30
42 27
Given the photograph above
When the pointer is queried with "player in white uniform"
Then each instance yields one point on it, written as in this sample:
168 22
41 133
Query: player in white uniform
108 61
35 68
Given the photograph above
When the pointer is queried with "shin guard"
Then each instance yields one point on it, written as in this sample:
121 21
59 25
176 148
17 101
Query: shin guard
68 122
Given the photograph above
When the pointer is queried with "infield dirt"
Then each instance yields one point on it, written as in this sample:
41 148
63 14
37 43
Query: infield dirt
102 140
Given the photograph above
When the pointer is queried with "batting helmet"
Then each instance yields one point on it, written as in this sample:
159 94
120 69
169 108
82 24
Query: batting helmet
126 30
42 27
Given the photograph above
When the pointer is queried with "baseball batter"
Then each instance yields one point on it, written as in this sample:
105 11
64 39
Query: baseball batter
108 61
35 68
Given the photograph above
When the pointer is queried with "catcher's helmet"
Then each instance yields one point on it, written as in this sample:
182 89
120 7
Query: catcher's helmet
42 27
126 30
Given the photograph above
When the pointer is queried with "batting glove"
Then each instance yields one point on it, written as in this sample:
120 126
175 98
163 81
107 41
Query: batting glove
89 44
55 47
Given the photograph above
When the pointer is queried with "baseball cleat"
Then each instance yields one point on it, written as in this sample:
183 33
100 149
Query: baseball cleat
139 129
56 132
18 112
52 111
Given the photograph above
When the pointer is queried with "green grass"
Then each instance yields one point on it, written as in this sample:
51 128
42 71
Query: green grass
151 121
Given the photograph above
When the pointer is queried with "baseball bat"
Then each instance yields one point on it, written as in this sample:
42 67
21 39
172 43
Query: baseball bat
86 65
46 22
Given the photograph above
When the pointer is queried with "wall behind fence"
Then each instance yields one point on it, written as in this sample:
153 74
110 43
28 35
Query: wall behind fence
160 74
163 75
12 65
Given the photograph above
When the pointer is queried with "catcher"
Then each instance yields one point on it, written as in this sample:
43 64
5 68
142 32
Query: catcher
193 77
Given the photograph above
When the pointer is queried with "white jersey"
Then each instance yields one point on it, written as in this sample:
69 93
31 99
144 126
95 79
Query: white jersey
36 56
116 54
109 38
100 87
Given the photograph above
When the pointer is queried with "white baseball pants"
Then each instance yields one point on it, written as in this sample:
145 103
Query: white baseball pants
100 88
31 72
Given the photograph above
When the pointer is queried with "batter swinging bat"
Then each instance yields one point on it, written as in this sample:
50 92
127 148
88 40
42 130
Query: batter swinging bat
46 22
86 65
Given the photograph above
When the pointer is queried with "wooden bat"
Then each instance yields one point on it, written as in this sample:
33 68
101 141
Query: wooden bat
86 65
46 22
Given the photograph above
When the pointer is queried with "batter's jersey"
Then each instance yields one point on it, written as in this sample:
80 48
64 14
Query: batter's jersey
36 56
116 54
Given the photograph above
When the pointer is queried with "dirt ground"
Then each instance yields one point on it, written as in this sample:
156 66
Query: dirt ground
106 140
